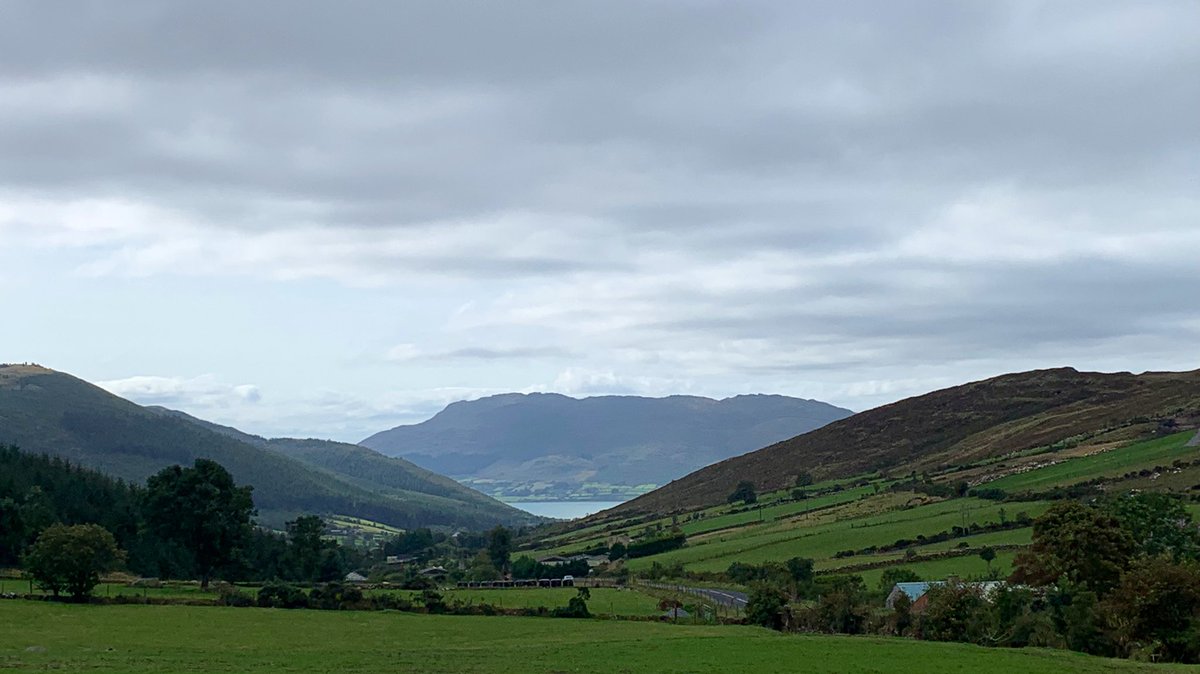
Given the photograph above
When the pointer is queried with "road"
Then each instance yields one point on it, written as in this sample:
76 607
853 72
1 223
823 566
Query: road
1195 442
729 598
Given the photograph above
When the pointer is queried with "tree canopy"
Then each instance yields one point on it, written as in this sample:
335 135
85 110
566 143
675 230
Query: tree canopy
71 558
201 509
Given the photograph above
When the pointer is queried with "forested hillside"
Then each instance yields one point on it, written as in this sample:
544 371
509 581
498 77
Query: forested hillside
49 412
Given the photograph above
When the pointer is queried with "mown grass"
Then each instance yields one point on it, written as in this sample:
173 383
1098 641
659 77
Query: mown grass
1111 463
193 640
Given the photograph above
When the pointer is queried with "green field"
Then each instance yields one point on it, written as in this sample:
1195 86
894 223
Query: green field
605 601
966 567
772 506
111 590
181 640
1111 463
821 541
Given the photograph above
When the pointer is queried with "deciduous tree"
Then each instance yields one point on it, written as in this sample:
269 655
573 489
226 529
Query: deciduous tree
201 509
71 558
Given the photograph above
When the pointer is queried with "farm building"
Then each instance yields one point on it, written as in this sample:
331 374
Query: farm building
355 577
918 592
433 572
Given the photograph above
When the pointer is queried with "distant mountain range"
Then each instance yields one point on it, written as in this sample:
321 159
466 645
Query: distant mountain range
952 427
550 446
50 412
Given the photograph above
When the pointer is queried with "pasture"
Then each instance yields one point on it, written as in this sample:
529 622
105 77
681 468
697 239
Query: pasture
1111 463
823 538
605 601
194 640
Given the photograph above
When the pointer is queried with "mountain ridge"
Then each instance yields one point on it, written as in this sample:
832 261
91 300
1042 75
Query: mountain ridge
981 419
560 446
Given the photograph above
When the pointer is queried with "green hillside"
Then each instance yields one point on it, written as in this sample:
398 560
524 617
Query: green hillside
952 427
50 412
872 523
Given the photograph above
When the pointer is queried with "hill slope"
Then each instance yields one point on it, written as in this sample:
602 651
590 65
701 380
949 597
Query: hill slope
546 443
952 427
46 411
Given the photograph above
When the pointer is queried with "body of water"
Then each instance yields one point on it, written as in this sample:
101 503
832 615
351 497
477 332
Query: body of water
564 510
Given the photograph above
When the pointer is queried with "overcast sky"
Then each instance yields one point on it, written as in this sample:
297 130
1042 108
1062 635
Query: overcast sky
326 219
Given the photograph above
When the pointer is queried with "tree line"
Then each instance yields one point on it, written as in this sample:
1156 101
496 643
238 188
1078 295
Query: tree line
66 525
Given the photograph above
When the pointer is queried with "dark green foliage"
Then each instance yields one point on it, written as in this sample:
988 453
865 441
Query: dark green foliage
433 601
1076 543
955 612
766 606
617 551
500 547
527 568
654 546
1157 607
414 542
744 493
281 595
800 570
334 596
988 555
304 539
38 491
901 621
1075 612
576 606
201 509
990 493
842 607
231 596
71 558
1158 523
889 578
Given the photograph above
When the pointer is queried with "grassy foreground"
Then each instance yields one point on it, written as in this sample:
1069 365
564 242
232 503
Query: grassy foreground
135 639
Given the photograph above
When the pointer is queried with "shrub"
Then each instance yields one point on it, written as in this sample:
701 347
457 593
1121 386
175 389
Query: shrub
281 595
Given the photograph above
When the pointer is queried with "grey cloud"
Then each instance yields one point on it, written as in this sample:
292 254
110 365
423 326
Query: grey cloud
731 189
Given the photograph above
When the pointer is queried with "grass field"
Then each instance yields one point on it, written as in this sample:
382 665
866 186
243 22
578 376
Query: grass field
109 590
193 640
821 541
604 601
1111 463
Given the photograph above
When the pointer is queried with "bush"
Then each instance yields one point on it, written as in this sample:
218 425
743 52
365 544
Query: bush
231 596
576 606
281 595
766 606
334 596
655 546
